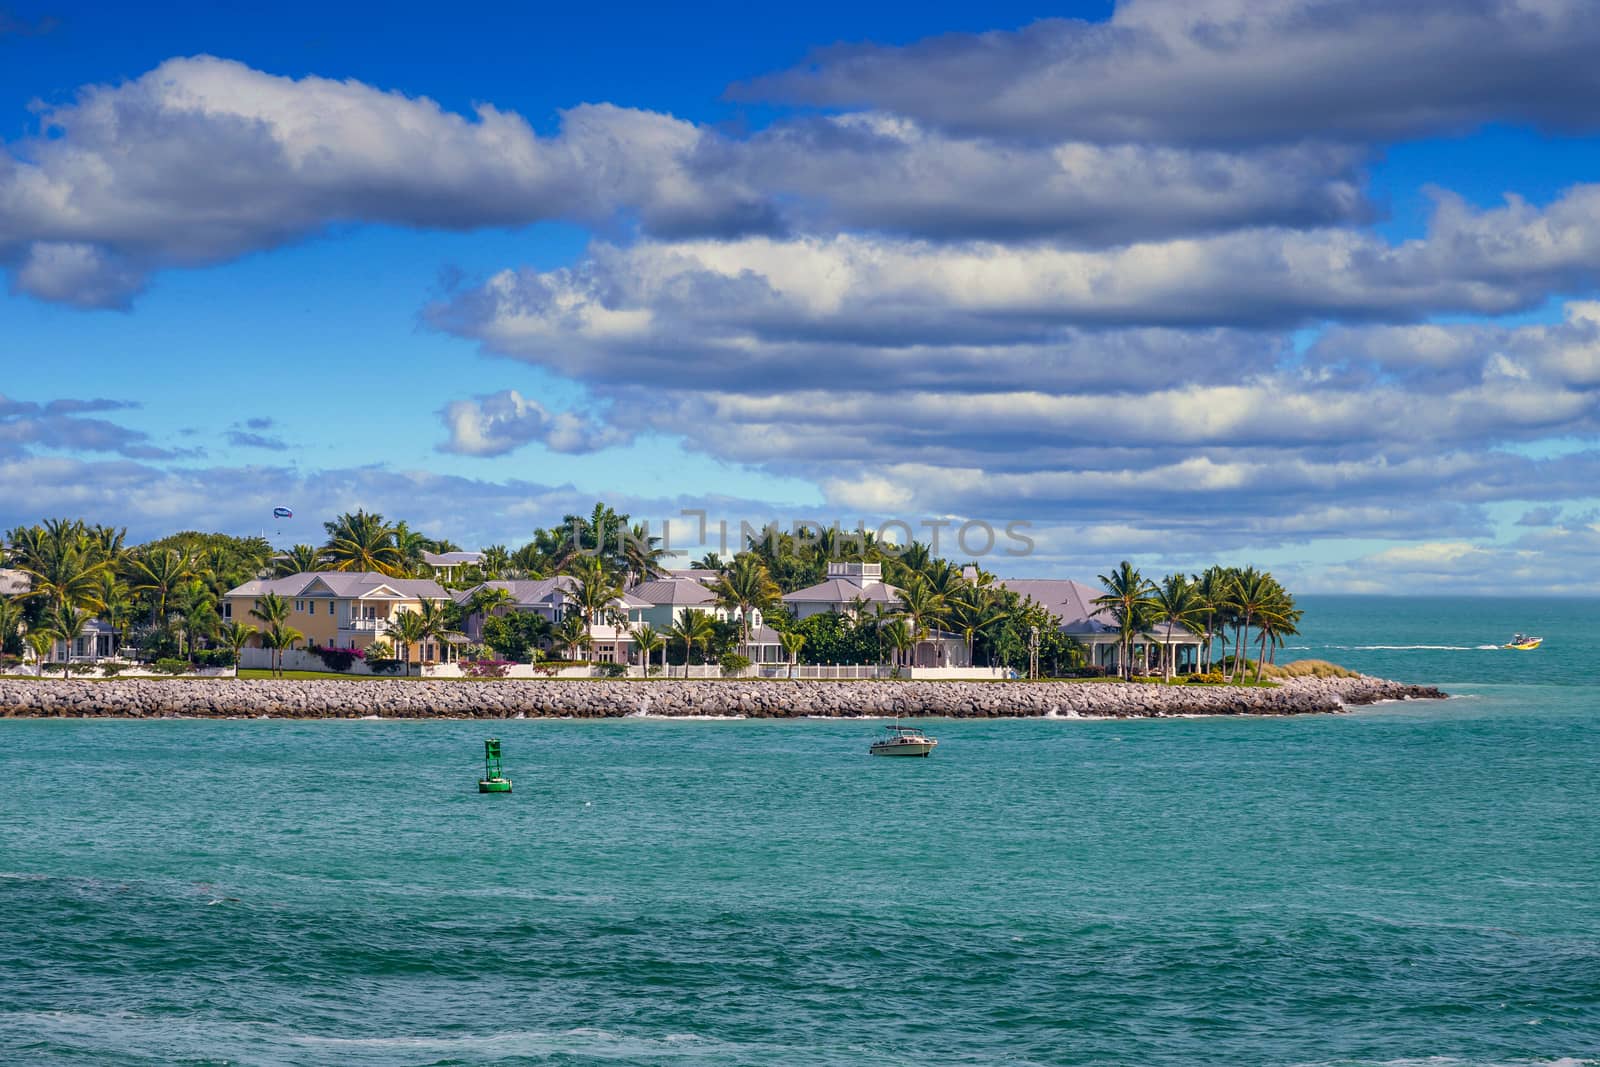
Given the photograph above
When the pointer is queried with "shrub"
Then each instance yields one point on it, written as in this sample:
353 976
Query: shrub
338 659
485 668
383 666
379 649
613 670
1209 678
172 666
111 670
214 657
1083 672
732 664
1308 668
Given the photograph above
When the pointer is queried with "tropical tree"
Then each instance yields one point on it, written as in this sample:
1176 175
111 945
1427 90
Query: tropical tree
235 635
10 620
41 641
277 637
1174 603
745 587
648 641
923 607
496 560
792 641
410 545
407 629
972 611
641 555
571 633
901 638
157 574
693 627
487 599
271 609
1214 589
65 570
1126 596
709 562
595 590
363 542
301 559
1253 591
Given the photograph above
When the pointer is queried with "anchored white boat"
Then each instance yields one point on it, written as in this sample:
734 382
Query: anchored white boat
903 741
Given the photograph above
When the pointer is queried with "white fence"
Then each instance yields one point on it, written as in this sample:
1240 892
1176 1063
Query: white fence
807 672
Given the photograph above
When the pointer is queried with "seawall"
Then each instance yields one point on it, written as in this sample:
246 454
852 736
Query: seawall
222 698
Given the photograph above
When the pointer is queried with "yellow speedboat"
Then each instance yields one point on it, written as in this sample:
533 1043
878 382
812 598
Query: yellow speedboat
1523 643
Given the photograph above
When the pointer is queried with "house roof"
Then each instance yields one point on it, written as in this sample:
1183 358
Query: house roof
347 584
674 591
1072 601
543 592
14 582
451 559
703 575
842 591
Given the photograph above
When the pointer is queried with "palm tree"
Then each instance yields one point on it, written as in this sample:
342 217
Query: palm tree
901 638
1175 603
641 555
300 559
435 624
115 606
278 637
793 641
495 561
922 606
745 587
410 545
971 613
157 575
646 638
407 629
363 542
66 573
487 599
709 562
42 643
1278 618
572 633
693 627
1127 598
235 635
1254 591
1213 586
66 625
271 609
596 590
10 619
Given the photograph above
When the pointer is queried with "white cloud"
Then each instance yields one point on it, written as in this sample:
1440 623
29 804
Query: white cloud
500 422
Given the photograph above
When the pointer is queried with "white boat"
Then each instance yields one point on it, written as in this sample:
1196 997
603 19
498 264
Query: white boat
903 741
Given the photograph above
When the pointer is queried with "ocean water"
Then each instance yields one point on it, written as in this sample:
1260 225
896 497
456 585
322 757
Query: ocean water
1411 884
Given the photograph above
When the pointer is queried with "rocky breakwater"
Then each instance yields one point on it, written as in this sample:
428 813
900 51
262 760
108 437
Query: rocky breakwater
222 698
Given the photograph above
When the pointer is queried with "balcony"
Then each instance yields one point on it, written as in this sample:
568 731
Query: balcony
364 626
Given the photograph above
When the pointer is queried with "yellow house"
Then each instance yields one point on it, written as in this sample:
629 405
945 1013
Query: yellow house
341 609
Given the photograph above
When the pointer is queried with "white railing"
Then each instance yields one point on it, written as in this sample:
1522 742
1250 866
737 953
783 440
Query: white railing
371 626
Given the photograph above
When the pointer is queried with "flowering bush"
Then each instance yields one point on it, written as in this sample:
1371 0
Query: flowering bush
338 659
485 668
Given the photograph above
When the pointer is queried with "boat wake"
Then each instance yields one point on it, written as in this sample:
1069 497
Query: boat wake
1413 648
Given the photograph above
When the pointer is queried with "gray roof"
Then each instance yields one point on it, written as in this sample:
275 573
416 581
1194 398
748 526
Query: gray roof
451 559
1072 601
543 592
13 582
841 591
674 591
350 584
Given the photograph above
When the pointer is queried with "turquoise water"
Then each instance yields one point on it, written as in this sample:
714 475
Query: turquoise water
1411 884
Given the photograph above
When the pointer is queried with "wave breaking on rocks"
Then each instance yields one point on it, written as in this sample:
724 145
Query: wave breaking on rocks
584 699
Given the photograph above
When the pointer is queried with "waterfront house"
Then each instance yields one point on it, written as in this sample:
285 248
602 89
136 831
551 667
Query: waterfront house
446 566
669 597
1095 628
859 591
552 599
342 609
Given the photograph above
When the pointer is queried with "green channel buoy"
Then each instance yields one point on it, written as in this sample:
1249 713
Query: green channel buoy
493 781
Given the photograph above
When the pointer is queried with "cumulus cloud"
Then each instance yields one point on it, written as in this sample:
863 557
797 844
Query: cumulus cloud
203 159
60 424
1231 72
501 422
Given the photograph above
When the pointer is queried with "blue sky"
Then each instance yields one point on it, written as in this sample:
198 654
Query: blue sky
1172 281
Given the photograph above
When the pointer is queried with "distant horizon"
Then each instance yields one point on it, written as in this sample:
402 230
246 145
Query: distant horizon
1314 285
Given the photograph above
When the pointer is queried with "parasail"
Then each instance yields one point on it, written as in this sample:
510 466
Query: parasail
282 513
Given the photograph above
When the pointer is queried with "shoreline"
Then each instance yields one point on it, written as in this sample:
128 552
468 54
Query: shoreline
664 698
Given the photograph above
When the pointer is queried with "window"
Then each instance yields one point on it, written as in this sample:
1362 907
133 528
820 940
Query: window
299 605
227 609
